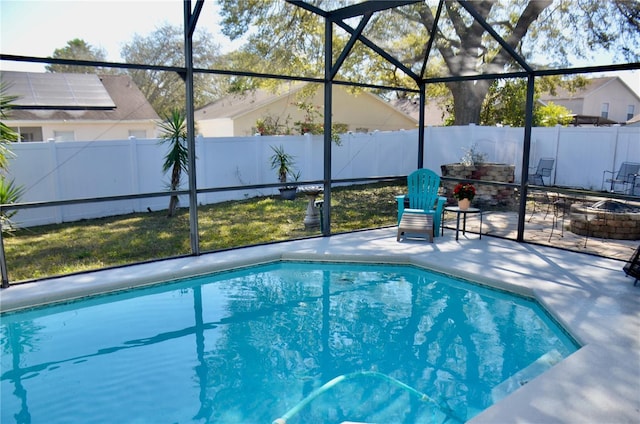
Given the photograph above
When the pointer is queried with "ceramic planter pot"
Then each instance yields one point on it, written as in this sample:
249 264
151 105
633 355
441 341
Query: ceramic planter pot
464 204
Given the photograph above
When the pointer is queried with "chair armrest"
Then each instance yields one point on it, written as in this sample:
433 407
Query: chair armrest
437 216
605 179
629 178
400 200
440 204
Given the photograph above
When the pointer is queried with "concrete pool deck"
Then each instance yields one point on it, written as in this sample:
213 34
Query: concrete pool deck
590 296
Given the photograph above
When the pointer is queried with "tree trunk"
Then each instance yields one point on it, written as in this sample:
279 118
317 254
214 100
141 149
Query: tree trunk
173 204
467 100
175 183
469 95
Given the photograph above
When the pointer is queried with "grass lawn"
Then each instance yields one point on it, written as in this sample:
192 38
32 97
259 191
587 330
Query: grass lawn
51 250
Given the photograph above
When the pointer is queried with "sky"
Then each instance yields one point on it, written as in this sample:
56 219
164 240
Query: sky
38 27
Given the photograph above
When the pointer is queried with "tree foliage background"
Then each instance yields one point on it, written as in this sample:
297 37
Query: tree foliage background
79 49
162 47
165 47
283 39
288 39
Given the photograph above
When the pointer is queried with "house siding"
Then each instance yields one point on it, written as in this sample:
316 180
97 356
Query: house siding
588 101
617 95
89 131
359 111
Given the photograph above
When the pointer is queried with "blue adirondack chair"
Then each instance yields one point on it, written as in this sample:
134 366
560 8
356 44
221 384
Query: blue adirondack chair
422 186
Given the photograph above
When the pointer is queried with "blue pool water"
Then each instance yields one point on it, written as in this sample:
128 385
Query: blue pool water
284 342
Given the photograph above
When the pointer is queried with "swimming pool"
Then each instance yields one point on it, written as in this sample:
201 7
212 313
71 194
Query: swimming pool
302 342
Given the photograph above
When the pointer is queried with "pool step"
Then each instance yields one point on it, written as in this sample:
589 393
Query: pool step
354 375
525 375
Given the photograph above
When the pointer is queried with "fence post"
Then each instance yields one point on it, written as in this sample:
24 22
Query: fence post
56 186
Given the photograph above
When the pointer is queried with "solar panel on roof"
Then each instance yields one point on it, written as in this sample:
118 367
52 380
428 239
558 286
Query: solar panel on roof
60 91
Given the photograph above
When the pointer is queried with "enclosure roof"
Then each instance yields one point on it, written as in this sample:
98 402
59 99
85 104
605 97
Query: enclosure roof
459 33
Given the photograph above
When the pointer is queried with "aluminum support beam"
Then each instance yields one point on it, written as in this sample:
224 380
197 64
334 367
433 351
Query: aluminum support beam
421 119
189 26
328 100
526 151
3 263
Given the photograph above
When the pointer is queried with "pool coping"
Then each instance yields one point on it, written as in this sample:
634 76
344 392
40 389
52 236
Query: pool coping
588 295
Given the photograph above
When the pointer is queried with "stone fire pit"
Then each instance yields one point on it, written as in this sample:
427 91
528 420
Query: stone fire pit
608 219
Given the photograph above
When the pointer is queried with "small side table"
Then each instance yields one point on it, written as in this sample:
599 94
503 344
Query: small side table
464 213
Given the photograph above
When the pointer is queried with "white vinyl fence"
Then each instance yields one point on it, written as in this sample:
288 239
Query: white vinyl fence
51 171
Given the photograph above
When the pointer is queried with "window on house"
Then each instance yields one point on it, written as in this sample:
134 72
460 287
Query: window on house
631 109
604 112
30 133
137 134
64 136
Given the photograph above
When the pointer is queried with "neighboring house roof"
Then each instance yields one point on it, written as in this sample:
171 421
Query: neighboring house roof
235 105
76 97
434 110
598 121
593 85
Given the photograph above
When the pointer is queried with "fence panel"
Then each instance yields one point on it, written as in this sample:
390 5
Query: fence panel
583 155
69 170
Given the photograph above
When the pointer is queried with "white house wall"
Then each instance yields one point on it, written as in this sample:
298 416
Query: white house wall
223 127
363 110
90 131
70 170
576 106
619 98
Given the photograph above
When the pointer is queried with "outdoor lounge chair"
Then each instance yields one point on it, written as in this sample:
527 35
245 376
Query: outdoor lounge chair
632 268
626 177
422 196
543 170
545 166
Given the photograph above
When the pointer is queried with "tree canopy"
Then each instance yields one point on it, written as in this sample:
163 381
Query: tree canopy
506 100
78 49
283 38
7 134
164 46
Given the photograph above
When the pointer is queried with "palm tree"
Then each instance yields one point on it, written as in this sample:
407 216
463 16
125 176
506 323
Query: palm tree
7 135
174 131
283 162
9 191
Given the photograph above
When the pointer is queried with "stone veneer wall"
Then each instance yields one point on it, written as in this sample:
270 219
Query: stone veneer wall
590 222
486 195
